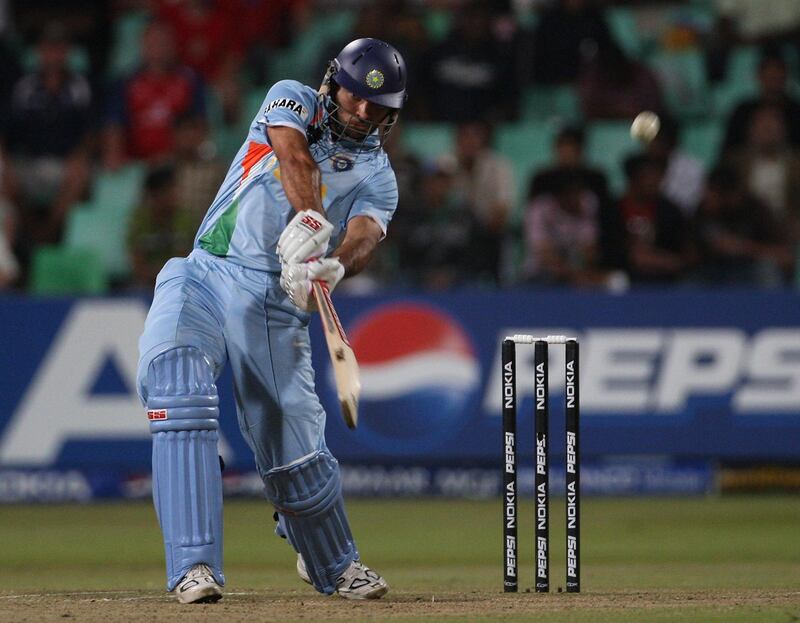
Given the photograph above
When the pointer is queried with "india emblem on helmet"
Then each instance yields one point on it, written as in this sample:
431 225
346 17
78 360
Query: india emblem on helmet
375 79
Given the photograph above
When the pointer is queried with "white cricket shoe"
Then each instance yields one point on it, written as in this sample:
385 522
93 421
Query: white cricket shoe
360 582
301 569
357 582
198 586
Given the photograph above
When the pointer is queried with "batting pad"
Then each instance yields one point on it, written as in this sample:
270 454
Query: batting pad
183 410
308 496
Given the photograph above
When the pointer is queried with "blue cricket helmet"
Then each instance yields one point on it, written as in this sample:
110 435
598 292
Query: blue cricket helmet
373 70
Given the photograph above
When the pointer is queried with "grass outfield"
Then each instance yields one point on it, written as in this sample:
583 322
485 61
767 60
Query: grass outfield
722 559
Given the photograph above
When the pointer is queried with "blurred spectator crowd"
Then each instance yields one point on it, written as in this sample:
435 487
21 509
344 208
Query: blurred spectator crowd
119 118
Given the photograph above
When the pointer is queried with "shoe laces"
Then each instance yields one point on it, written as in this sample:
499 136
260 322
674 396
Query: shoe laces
198 571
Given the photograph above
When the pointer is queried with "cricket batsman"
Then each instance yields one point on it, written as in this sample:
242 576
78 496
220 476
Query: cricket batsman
308 197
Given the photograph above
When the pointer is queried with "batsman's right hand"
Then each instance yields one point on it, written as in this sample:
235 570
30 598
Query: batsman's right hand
305 237
296 280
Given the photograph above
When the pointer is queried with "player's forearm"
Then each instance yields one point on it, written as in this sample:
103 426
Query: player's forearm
301 180
299 174
356 250
354 254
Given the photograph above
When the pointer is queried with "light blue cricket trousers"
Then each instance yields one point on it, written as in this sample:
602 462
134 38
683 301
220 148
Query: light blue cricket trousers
241 315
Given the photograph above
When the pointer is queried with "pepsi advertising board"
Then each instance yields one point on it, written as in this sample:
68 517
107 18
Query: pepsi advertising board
665 376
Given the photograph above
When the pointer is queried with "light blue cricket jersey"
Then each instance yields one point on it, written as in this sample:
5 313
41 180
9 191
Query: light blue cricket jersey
251 210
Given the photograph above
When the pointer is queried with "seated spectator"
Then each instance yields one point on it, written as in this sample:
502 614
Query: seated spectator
485 184
143 107
406 166
769 164
564 32
47 143
198 172
386 262
264 27
207 40
471 75
613 86
160 228
10 72
437 248
562 234
569 156
684 177
408 170
773 77
409 35
658 240
741 242
86 23
9 267
204 34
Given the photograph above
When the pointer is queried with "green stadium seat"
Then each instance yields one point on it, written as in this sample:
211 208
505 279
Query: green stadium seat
57 270
229 138
792 55
557 103
438 23
702 139
87 229
529 147
301 61
701 14
743 64
527 18
683 80
740 81
116 193
101 225
428 141
622 24
290 64
77 60
252 103
608 144
102 228
126 52
727 95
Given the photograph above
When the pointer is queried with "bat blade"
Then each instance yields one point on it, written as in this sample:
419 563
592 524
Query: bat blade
343 359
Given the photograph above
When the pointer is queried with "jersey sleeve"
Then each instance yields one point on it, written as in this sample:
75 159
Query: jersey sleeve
288 103
378 199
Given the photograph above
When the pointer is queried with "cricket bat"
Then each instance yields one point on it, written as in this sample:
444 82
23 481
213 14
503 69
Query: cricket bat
343 359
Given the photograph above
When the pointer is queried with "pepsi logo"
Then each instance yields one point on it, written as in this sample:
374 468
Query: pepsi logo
419 375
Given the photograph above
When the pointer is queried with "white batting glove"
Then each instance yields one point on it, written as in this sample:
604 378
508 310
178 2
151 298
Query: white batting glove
296 280
305 237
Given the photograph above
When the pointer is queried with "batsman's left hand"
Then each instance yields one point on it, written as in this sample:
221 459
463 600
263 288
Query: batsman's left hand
296 280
